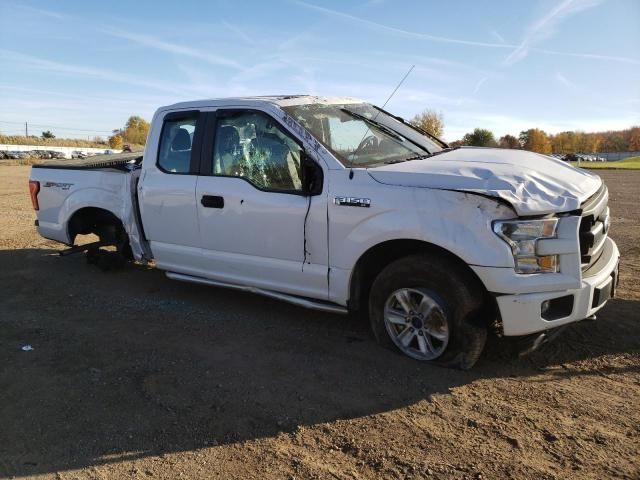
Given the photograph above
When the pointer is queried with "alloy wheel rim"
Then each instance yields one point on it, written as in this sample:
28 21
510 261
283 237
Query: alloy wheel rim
417 323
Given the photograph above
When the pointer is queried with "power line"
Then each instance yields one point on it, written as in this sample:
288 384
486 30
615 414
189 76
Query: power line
70 129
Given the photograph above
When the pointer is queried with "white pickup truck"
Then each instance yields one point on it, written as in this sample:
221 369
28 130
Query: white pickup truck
335 204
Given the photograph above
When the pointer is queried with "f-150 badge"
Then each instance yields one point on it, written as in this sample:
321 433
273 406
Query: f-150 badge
352 202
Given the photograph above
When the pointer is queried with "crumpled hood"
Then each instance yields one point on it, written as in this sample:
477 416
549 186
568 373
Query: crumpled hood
533 184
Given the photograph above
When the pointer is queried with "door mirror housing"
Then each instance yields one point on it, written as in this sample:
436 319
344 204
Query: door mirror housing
312 176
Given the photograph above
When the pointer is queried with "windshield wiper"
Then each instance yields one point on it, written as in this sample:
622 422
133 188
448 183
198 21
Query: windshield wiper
399 160
379 125
411 125
432 154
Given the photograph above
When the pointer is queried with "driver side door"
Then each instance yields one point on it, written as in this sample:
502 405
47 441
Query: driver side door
257 227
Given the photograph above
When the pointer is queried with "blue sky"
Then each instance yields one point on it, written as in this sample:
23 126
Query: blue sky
502 65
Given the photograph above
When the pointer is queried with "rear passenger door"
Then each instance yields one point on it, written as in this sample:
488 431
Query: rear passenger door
256 226
166 193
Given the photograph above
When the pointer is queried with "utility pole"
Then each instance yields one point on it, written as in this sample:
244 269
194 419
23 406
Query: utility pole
26 129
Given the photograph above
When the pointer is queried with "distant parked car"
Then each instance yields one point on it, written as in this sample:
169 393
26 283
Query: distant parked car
126 148
570 157
3 155
17 155
78 154
55 154
40 154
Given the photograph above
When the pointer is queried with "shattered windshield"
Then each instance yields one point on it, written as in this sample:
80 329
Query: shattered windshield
361 135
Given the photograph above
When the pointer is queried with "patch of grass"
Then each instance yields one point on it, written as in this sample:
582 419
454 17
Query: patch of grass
12 162
631 163
58 142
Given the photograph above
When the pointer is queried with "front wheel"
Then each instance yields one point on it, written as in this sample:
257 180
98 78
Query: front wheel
428 308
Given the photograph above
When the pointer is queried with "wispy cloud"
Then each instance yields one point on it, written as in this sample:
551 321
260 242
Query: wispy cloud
497 36
241 33
479 84
594 56
538 31
37 11
545 26
399 31
565 81
50 66
165 46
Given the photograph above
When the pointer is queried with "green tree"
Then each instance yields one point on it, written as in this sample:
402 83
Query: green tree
615 143
480 137
509 141
47 135
429 121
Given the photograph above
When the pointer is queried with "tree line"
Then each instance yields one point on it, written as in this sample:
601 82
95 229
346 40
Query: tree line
537 140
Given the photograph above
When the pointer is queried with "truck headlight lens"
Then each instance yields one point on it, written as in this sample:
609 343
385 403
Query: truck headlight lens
521 235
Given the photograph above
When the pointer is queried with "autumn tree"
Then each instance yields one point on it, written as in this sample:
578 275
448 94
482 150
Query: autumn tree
563 142
47 135
115 142
509 141
480 137
136 130
429 121
535 140
634 140
571 141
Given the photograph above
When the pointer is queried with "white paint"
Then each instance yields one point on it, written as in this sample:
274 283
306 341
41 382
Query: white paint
533 184
256 240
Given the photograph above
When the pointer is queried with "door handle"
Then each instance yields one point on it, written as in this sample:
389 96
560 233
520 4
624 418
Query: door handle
212 201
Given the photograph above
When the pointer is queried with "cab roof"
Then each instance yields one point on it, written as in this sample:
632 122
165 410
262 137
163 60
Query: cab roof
279 100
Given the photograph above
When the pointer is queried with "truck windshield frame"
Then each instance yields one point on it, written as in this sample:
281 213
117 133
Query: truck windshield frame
361 135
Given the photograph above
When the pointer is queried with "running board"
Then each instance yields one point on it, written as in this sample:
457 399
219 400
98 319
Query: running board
300 301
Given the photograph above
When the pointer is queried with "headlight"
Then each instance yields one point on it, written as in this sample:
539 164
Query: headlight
521 235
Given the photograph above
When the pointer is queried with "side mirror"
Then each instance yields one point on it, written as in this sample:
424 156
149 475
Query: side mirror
312 175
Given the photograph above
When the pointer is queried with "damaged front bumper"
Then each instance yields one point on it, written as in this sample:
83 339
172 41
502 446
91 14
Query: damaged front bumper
527 313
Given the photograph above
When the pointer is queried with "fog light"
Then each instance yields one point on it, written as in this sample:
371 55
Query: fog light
544 308
557 308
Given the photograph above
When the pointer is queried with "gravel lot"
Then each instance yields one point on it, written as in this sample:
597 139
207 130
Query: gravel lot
133 375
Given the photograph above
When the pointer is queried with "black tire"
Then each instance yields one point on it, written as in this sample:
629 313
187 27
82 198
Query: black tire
459 294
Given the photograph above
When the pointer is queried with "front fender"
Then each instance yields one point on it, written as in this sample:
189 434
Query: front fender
461 223
457 222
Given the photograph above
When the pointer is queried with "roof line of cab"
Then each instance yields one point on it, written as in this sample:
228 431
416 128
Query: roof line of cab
278 100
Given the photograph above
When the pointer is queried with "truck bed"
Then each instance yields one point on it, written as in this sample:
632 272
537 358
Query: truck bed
119 161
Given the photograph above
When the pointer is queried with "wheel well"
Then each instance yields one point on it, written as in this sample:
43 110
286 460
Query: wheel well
374 260
99 221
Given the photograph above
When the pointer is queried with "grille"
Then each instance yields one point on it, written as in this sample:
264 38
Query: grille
594 226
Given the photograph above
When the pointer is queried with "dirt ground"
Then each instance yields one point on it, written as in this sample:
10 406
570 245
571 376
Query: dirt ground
133 375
